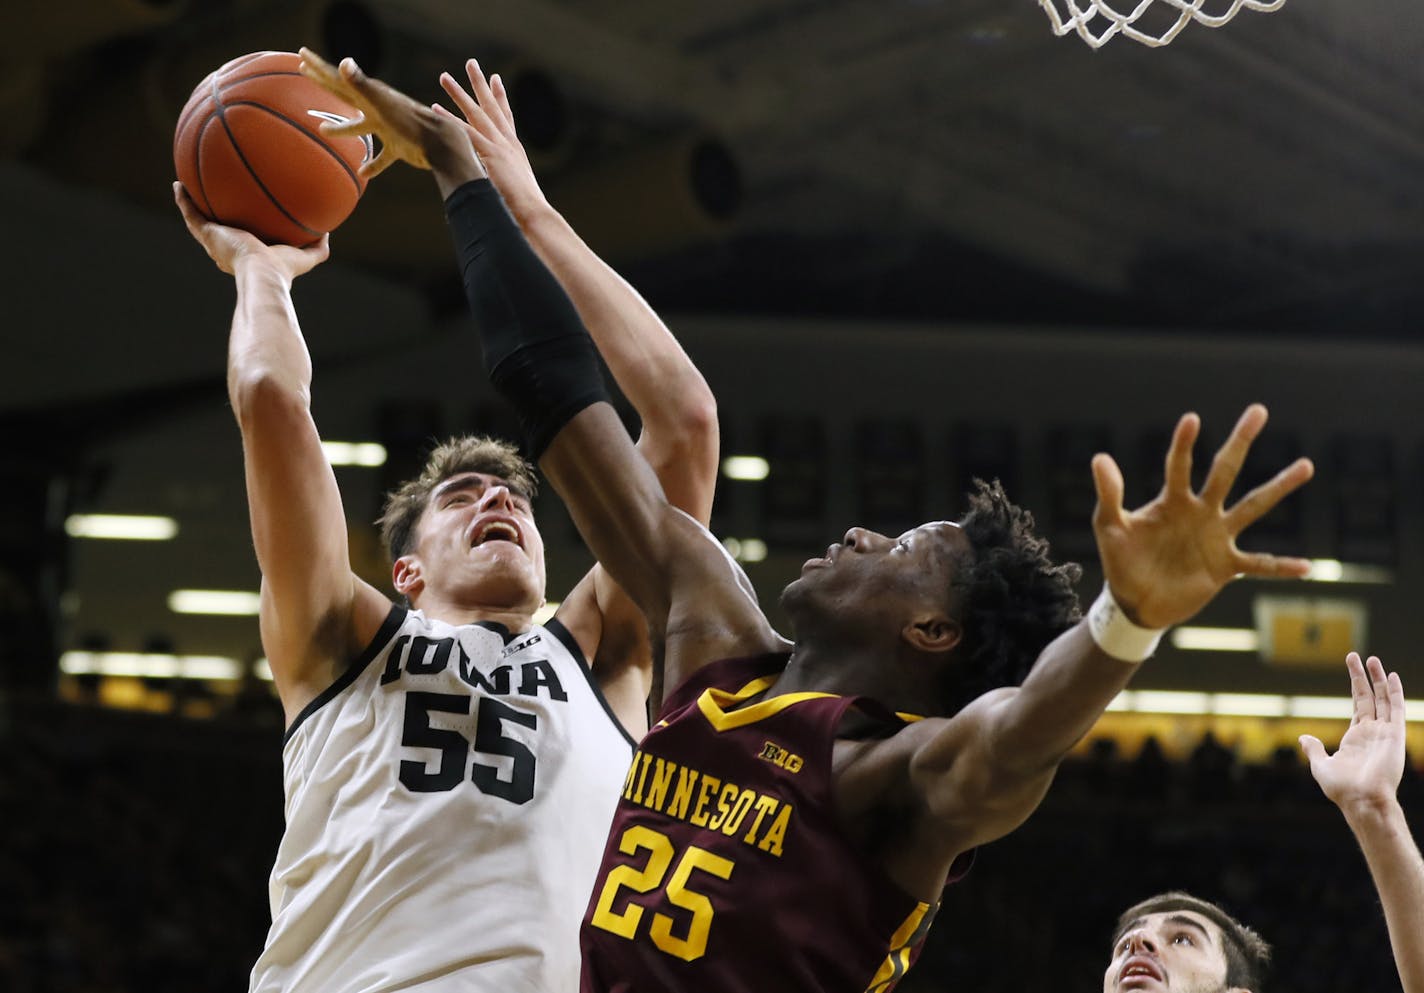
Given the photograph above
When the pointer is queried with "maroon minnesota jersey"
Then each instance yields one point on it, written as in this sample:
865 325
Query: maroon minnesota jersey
726 869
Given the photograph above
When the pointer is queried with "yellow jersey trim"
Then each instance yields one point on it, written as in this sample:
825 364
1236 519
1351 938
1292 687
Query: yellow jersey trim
714 703
897 963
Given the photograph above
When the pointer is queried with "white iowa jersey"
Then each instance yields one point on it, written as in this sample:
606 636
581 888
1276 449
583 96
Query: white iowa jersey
448 800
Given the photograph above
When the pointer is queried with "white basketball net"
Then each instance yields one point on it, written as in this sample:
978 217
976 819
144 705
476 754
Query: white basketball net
1097 22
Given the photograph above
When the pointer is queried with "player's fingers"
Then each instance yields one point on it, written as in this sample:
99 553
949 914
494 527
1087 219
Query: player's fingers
1226 466
485 94
1361 698
1107 481
315 68
319 251
1256 504
357 127
365 92
474 112
373 168
479 86
192 219
180 197
350 71
1313 749
1379 687
1177 474
1267 566
501 97
1396 700
329 77
482 144
457 93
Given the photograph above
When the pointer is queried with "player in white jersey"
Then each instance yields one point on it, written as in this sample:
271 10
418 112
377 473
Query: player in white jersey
450 769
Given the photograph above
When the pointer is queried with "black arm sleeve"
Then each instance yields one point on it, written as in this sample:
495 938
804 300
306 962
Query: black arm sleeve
536 349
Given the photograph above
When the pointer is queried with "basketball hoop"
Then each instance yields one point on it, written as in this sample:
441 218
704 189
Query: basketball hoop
1097 22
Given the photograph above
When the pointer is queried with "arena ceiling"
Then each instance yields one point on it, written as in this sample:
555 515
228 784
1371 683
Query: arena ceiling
935 159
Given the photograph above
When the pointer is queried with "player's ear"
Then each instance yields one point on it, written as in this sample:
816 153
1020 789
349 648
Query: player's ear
933 632
406 576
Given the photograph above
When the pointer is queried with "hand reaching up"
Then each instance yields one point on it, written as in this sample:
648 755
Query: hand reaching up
1167 559
1367 766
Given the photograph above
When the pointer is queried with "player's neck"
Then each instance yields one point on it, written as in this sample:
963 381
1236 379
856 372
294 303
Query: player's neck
841 669
514 619
870 672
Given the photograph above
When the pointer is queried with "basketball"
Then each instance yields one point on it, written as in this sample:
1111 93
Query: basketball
249 150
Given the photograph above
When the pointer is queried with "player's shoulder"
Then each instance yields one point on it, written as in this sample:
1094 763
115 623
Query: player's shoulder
919 738
977 712
743 677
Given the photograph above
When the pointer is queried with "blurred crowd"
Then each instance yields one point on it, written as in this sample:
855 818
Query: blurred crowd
136 851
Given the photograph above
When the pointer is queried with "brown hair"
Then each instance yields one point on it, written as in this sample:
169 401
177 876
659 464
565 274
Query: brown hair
1247 954
472 453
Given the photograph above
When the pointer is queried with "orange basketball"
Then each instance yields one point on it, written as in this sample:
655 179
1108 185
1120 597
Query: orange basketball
249 150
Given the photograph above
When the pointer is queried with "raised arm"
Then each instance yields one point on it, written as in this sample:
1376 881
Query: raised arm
679 438
678 411
1362 779
542 359
989 766
314 611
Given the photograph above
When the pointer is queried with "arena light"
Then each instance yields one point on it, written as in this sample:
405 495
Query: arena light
1170 702
149 665
545 613
1249 705
1198 639
262 669
361 453
745 549
121 527
232 603
1326 707
1335 571
1266 705
1325 570
746 468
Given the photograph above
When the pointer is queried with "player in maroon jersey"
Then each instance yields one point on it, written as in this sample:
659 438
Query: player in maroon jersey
790 822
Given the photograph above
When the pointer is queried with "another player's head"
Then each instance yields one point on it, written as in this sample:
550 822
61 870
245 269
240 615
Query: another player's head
976 601
463 530
1176 943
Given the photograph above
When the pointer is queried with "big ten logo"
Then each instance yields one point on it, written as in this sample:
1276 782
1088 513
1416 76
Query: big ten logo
779 756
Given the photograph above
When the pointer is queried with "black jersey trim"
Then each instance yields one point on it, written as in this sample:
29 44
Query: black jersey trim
389 627
497 628
556 627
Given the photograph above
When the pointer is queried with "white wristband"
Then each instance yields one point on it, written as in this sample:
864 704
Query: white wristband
1116 634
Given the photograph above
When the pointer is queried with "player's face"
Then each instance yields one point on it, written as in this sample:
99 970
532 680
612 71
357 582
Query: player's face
477 542
1176 951
870 573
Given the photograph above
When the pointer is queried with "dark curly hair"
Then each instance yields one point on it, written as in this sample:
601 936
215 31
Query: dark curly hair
1014 599
1247 954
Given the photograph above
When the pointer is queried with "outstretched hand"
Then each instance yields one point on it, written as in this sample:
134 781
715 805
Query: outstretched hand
226 246
1167 559
489 122
409 131
1367 766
